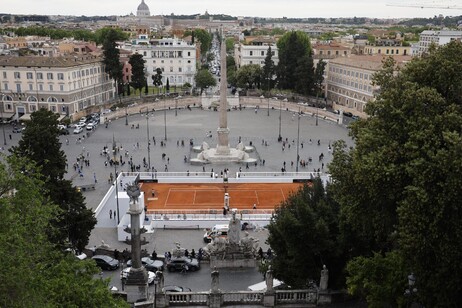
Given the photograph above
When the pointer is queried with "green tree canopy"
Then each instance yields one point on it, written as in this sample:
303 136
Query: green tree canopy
111 55
295 68
205 38
268 71
40 144
303 234
138 78
249 76
34 272
400 186
204 79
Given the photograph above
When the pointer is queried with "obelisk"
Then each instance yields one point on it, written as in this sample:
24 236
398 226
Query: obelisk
223 130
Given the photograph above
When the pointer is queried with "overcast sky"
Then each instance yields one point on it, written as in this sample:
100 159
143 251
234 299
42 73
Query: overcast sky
261 8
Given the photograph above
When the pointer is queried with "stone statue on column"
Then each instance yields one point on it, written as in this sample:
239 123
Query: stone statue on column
324 278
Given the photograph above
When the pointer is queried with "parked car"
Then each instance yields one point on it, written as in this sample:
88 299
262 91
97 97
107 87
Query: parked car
150 264
90 126
175 289
17 129
176 264
64 131
125 272
78 129
106 262
347 114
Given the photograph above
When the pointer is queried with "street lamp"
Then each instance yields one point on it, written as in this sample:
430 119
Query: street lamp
316 109
3 123
298 140
115 176
147 134
268 105
126 115
165 122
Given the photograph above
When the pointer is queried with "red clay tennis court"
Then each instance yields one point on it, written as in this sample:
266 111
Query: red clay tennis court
173 196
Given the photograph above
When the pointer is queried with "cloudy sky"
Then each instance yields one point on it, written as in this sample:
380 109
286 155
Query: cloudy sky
261 8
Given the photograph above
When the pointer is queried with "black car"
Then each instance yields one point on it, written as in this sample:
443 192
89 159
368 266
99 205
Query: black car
106 262
64 131
177 264
347 114
150 264
175 289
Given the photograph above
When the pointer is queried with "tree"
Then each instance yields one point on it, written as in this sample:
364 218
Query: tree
204 79
248 76
229 45
34 272
138 78
167 86
111 56
40 144
319 77
205 39
295 61
157 78
268 71
303 235
399 188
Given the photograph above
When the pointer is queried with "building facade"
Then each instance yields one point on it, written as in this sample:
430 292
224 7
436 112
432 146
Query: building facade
176 58
255 53
439 38
64 85
349 81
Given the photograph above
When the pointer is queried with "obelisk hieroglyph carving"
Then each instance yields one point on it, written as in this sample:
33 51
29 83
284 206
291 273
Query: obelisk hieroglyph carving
223 130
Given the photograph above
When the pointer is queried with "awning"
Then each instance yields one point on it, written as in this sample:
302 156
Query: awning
6 115
25 117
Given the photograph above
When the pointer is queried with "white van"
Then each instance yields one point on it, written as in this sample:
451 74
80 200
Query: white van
216 231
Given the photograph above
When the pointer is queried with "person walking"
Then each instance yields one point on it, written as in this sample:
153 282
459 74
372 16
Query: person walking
110 214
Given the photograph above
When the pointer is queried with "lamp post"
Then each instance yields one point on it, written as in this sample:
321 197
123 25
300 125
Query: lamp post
115 176
280 114
165 122
3 124
156 281
126 115
268 105
316 109
298 140
148 140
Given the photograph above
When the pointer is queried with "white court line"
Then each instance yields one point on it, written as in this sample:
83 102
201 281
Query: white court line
166 200
256 195
194 199
283 197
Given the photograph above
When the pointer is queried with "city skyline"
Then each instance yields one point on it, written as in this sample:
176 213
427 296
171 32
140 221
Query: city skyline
254 8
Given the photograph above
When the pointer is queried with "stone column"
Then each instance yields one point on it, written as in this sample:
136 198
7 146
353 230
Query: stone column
223 131
136 284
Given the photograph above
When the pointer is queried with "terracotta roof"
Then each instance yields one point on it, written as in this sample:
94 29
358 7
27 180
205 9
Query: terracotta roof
38 61
369 62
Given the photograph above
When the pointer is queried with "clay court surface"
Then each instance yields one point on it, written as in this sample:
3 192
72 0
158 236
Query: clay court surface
171 197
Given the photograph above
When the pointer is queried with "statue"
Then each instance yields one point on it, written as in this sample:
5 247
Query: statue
324 278
178 251
240 146
269 279
205 146
234 230
249 244
215 280
133 191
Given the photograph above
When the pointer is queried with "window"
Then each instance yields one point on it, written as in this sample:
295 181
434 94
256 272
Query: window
41 87
31 87
53 108
61 87
39 75
4 75
262 53
180 54
251 53
18 87
171 69
29 75
17 75
180 69
60 76
50 76
189 53
51 87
